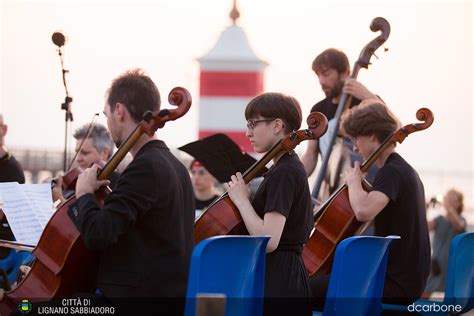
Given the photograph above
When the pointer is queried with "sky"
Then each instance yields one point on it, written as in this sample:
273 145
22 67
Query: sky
428 62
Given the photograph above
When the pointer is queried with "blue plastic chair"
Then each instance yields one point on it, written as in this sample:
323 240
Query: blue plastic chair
229 265
12 263
460 277
357 277
459 291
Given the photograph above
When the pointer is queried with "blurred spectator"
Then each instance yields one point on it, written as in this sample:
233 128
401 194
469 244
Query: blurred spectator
204 185
445 229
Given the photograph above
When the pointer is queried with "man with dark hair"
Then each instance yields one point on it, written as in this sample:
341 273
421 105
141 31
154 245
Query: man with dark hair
144 231
137 92
333 71
396 204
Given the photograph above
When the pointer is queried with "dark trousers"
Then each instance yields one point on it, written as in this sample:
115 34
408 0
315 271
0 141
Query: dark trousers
319 288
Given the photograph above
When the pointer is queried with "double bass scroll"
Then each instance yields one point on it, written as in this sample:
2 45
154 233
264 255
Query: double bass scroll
377 24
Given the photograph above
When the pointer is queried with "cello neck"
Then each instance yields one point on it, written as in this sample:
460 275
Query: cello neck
151 122
317 126
258 166
377 153
118 156
423 114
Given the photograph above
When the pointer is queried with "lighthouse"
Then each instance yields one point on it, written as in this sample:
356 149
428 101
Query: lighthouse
231 75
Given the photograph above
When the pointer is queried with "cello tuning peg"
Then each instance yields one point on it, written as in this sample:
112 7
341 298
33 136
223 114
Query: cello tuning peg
375 55
385 49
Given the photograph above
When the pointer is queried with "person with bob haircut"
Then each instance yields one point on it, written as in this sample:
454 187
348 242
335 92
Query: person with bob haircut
281 207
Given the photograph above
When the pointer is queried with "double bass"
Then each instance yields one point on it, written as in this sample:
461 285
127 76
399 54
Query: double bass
338 220
377 24
63 265
222 217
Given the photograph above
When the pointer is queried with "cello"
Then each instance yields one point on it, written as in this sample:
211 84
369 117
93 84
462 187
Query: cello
64 266
222 217
68 186
337 220
377 24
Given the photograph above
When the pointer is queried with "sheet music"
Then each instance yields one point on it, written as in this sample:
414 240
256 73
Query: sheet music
43 201
26 208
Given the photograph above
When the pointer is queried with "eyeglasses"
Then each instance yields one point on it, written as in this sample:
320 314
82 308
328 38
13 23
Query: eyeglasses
252 123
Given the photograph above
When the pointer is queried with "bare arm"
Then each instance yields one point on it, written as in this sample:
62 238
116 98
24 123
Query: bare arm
272 223
366 205
455 219
310 157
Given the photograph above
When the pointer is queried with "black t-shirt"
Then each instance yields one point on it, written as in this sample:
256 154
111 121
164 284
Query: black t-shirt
285 190
328 108
202 205
144 231
10 171
405 215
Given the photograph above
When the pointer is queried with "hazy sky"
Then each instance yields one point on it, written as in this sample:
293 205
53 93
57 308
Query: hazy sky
429 62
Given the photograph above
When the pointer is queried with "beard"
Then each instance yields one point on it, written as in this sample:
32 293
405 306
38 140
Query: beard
336 90
116 138
117 142
114 134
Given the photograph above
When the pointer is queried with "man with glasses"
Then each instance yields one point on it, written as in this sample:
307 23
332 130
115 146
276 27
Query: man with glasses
93 145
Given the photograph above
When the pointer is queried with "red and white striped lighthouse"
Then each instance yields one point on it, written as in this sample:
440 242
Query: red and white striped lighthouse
231 75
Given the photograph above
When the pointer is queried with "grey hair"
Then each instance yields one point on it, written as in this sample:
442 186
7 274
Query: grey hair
100 137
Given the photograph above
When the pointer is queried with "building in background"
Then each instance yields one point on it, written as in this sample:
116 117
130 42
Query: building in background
231 75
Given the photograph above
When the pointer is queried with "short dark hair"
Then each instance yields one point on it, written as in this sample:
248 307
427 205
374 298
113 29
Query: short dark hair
371 117
136 91
331 58
276 105
99 134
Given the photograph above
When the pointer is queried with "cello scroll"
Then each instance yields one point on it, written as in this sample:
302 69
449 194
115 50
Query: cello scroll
151 122
317 123
423 114
154 120
377 24
317 126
